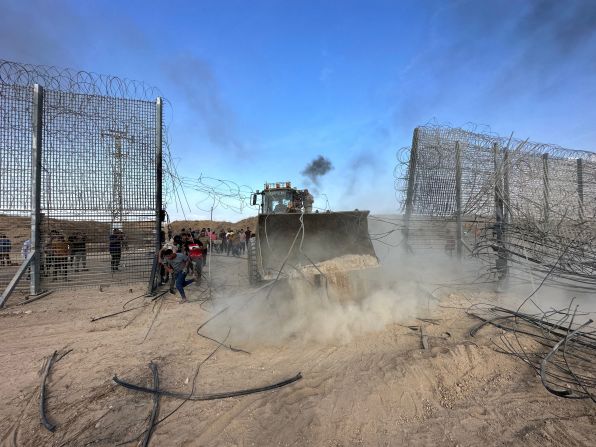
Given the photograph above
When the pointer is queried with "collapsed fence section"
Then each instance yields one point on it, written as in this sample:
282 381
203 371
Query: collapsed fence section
532 205
81 178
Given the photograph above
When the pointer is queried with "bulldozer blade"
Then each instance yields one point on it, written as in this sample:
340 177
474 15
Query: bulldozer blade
306 239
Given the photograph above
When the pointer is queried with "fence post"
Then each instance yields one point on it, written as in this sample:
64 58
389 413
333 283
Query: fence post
580 188
458 217
411 185
506 193
546 188
36 154
158 188
501 264
498 192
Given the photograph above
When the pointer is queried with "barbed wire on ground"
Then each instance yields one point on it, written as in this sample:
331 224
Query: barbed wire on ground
560 350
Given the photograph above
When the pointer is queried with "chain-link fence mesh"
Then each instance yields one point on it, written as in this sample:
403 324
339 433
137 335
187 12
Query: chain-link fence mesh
15 177
521 202
482 163
98 175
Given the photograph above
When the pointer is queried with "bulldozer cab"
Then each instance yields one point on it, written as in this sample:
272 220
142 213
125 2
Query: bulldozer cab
277 201
279 198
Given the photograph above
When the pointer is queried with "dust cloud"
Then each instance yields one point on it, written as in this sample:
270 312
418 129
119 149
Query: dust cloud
337 307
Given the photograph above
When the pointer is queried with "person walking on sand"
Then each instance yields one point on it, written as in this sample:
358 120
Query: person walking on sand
78 251
115 248
176 264
223 237
230 242
60 252
5 247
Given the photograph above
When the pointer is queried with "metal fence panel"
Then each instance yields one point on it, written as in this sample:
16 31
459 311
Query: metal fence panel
434 190
15 178
529 205
98 175
98 189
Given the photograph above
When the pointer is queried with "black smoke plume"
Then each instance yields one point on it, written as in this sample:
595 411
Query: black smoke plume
194 78
317 168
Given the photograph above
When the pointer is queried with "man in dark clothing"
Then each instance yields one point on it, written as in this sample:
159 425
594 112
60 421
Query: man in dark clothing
178 243
5 247
224 241
247 239
115 248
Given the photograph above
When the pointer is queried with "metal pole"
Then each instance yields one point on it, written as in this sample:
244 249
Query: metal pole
36 153
458 216
506 204
501 264
506 191
580 187
16 278
158 187
546 188
498 192
411 184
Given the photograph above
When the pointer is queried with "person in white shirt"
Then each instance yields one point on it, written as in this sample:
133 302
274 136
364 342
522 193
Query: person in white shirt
25 250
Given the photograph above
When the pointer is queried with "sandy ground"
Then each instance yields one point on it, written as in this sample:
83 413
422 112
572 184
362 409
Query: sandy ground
379 388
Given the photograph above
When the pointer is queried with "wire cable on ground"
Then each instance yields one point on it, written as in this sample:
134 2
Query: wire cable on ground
155 409
205 397
42 395
563 353
190 394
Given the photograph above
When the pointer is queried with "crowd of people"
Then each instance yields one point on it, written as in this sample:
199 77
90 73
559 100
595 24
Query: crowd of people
186 253
67 254
180 255
62 255
230 242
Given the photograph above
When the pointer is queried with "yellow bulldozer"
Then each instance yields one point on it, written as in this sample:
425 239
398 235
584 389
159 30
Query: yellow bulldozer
291 240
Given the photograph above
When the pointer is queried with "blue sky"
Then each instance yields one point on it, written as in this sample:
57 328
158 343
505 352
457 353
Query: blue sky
258 89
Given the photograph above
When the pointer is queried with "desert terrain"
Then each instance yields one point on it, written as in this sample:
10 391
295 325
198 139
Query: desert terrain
363 382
